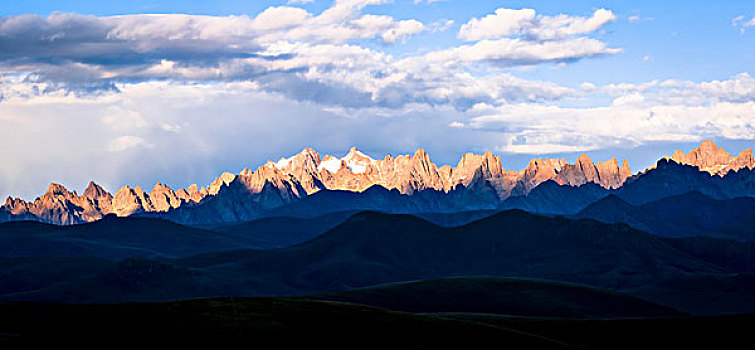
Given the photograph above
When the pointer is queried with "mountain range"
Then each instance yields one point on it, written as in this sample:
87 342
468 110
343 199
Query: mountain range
307 184
678 237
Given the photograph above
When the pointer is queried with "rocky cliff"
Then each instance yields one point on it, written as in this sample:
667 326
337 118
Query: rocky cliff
715 160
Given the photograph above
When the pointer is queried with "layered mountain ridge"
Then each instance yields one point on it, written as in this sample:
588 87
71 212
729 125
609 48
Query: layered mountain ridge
238 197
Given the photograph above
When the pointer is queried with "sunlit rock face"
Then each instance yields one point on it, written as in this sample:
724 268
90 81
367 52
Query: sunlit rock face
715 160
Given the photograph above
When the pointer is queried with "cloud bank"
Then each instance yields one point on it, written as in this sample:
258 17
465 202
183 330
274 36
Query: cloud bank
180 98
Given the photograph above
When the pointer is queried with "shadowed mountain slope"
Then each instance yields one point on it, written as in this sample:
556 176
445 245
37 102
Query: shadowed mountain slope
115 238
688 214
281 231
372 248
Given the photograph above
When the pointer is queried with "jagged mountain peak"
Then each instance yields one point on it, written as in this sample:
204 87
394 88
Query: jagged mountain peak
308 158
95 191
714 159
357 161
161 187
584 159
56 189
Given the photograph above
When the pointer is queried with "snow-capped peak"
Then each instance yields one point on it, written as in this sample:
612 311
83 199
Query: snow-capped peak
283 163
330 163
357 161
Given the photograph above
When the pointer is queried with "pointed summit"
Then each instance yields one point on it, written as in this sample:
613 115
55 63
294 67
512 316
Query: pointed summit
354 153
708 145
95 191
708 155
584 159
625 170
421 155
57 190
357 161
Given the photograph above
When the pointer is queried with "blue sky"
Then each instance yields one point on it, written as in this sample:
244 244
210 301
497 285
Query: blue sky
693 40
139 98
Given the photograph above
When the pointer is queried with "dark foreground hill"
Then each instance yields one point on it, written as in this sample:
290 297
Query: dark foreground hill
699 332
262 322
505 296
287 322
372 248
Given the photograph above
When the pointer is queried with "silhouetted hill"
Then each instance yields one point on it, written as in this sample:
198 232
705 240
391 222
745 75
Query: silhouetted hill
506 296
114 238
551 198
704 293
372 248
378 198
262 322
456 218
709 332
23 274
279 232
669 178
688 214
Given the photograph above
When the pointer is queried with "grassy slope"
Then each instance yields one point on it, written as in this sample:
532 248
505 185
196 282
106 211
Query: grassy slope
285 322
508 296
255 322
696 332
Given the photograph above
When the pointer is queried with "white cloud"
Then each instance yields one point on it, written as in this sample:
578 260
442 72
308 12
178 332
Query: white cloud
171 127
741 23
402 30
517 52
308 57
587 86
503 23
122 143
196 131
441 25
635 18
525 22
640 113
120 119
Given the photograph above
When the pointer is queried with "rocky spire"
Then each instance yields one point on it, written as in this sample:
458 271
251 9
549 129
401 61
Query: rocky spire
713 159
57 190
95 191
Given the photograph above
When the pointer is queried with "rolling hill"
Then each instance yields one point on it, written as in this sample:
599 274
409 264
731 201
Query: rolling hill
685 215
372 248
115 238
504 296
